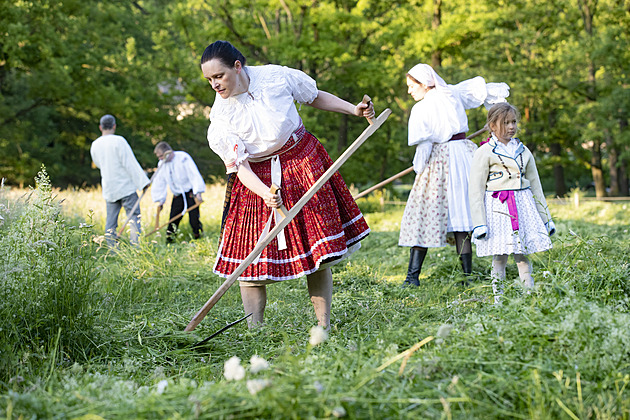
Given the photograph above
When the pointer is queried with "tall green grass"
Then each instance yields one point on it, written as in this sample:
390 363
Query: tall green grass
438 351
46 274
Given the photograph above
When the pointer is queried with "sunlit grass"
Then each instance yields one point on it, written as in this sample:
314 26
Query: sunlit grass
438 351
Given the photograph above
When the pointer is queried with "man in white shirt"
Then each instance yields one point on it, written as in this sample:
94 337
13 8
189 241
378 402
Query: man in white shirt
177 170
121 176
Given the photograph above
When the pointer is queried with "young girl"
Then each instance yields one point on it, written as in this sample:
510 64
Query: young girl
507 203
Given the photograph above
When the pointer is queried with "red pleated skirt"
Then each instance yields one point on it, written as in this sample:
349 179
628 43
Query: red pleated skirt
323 230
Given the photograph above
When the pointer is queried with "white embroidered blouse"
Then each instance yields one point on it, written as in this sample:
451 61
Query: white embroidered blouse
442 114
258 122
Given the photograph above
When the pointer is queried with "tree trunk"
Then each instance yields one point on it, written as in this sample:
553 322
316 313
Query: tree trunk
558 170
613 158
622 174
436 56
622 170
596 169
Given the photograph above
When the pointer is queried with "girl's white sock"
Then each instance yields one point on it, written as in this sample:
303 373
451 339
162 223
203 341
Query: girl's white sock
498 276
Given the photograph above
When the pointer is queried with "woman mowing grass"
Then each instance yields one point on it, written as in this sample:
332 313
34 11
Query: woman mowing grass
256 130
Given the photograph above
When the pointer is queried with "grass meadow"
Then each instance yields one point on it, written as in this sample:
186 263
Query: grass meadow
88 334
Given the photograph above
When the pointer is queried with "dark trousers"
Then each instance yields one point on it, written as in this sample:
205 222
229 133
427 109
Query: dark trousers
177 206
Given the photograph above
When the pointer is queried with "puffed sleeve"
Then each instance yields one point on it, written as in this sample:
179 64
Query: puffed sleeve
131 165
227 145
158 186
303 87
475 92
472 92
497 92
194 176
421 127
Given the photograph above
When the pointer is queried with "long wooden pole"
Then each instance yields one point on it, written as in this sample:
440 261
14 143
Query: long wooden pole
200 315
177 216
405 172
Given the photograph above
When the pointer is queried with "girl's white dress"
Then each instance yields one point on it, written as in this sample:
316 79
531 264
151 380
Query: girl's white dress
501 239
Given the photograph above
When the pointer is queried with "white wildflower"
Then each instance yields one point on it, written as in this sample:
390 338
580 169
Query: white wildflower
318 335
254 386
161 386
444 330
257 364
546 274
233 371
339 412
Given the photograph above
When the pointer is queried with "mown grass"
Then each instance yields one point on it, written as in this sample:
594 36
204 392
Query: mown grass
559 352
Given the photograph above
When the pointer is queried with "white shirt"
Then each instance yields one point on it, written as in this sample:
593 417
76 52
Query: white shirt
258 122
121 174
442 114
509 149
180 174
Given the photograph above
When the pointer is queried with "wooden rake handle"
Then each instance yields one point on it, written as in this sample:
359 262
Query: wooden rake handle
200 315
366 100
282 210
194 206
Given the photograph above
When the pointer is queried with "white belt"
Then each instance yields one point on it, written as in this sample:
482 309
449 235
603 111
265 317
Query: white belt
276 178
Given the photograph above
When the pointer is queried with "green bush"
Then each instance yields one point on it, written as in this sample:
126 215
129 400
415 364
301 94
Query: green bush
46 270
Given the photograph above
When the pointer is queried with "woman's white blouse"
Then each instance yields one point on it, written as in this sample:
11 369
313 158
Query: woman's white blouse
442 114
258 122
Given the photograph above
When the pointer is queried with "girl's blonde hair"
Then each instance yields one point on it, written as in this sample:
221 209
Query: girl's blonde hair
498 114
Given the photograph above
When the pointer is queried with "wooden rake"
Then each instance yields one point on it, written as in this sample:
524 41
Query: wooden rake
200 315
172 219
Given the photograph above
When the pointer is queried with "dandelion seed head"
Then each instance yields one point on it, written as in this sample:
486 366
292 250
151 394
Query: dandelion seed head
258 364
444 330
318 335
254 386
161 386
233 371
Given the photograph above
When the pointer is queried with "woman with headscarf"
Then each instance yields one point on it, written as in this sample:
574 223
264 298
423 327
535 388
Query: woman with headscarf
437 208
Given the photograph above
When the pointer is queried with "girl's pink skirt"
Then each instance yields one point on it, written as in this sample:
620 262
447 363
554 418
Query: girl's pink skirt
323 230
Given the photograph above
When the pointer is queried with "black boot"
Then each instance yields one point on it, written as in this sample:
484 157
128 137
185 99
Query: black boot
416 258
466 260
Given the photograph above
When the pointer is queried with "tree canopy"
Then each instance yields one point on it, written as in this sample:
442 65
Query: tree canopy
65 64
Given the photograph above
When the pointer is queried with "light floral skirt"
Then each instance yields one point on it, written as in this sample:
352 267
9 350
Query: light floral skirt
438 201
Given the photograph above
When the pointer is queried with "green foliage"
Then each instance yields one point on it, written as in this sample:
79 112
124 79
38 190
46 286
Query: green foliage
46 274
65 64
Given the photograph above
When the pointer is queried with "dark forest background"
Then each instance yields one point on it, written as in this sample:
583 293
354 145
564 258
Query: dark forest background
63 64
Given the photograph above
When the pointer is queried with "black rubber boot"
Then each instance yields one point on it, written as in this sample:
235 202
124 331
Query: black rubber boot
466 260
416 258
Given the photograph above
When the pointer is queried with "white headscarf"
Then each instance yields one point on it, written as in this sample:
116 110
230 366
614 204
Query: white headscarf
425 74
